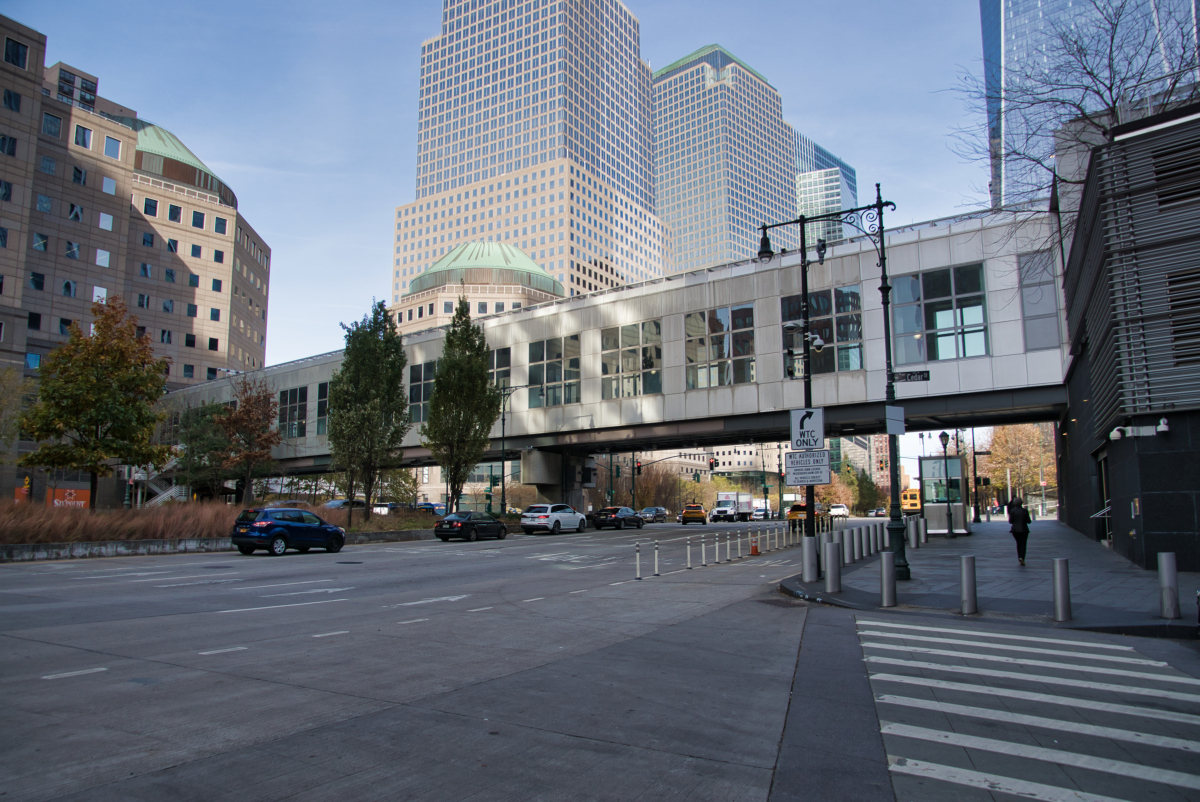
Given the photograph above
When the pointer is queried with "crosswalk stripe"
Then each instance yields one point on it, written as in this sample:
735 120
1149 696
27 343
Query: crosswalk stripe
1110 658
1044 698
1057 756
1042 678
1005 636
1147 739
992 782
993 658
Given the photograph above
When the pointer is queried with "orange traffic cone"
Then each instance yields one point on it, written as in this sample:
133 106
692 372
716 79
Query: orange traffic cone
754 552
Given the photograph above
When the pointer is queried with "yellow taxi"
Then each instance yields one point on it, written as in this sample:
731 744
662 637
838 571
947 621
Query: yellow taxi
693 513
795 517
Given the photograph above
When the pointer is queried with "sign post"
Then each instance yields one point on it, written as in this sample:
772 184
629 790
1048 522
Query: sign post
808 438
808 429
808 468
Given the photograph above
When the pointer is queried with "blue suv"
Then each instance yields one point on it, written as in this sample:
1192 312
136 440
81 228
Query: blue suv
278 530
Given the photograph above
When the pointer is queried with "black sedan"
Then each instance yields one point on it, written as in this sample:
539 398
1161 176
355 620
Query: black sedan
617 518
469 526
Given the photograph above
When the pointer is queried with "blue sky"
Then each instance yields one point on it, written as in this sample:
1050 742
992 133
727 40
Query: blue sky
308 111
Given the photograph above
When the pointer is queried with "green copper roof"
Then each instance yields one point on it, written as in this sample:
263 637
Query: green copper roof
699 56
161 142
486 263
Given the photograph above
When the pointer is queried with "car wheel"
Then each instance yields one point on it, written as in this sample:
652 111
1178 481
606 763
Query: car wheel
471 536
246 549
582 526
620 523
503 533
641 523
333 544
557 528
278 546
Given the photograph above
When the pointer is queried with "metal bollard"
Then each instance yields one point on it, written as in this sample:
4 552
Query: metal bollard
966 581
1168 585
809 560
857 534
924 527
833 571
728 554
656 573
847 549
703 557
637 550
739 540
689 553
869 540
1062 589
887 579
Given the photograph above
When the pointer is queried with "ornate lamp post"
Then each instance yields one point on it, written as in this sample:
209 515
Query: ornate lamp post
868 220
945 438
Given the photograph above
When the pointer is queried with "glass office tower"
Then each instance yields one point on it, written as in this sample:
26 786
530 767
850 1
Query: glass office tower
824 184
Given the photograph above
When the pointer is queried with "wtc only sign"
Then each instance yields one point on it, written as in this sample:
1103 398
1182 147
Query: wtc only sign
808 429
807 468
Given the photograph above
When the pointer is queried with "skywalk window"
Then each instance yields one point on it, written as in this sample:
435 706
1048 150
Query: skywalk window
719 350
631 360
554 372
939 315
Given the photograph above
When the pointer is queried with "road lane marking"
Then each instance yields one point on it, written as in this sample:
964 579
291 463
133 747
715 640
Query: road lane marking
328 634
479 609
303 592
1160 741
992 782
277 606
585 590
539 598
74 673
428 601
189 584
1052 664
285 584
1045 698
1111 658
120 576
189 576
413 621
230 649
1059 756
1042 678
1058 641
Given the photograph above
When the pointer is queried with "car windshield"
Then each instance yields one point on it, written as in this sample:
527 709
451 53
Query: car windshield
537 508
649 509
456 516
247 516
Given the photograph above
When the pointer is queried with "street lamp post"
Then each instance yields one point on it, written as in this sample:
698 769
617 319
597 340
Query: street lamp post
974 477
868 220
945 438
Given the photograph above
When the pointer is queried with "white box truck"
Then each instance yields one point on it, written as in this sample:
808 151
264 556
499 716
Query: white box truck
733 507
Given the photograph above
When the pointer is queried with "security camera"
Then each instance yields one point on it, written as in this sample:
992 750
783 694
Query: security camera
1116 434
817 343
791 327
1162 426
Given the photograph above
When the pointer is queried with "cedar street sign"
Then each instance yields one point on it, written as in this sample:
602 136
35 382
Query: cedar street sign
807 468
808 429
911 376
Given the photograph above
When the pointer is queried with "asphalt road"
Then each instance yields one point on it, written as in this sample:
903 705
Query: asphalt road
533 667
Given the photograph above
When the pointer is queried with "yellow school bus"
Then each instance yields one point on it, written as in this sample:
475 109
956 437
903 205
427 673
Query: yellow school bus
910 501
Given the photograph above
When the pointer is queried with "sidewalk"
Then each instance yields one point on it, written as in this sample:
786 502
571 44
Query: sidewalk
1108 593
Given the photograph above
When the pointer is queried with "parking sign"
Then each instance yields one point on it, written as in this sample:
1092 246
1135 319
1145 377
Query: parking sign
808 429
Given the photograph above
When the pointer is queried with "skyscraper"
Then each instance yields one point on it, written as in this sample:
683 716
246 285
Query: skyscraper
824 184
534 131
724 159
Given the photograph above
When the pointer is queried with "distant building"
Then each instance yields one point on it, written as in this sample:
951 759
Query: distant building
723 159
824 184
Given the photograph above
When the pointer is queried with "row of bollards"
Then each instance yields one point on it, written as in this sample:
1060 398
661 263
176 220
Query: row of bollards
758 542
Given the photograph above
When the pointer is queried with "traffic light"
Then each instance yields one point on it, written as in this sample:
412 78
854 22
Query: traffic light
618 471
493 481
488 497
696 477
639 467
790 364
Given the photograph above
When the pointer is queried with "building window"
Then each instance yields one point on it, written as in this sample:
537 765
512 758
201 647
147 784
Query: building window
172 246
196 251
447 308
35 321
293 411
79 176
143 301
211 374
33 361
482 310
44 204
193 310
69 288
169 275
499 306
500 366
141 332
420 388
214 344
83 137
216 285
146 270
8 145
1039 302
75 214
175 213
939 314
189 340
219 225
99 295
193 280
150 207
836 317
3 237
12 100
41 242
719 350
148 239
5 190
106 221
64 326
103 257
112 147
48 165
72 250
15 53
322 406
164 336
168 305
219 257
51 126
108 185
554 372
197 219
214 314
189 371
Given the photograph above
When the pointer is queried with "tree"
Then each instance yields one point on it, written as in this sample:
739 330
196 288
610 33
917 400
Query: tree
464 404
96 399
1024 453
248 425
836 492
1105 63
869 494
368 409
399 484
203 449
14 390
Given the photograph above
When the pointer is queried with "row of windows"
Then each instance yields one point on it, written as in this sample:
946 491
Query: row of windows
165 336
836 317
175 215
79 175
52 125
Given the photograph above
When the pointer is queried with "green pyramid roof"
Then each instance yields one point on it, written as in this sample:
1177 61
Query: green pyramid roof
486 263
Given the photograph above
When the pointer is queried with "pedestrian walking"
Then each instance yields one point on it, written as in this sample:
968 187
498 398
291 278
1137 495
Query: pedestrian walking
1018 518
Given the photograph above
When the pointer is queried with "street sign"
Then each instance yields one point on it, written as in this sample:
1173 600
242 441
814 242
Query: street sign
807 468
895 420
808 429
911 376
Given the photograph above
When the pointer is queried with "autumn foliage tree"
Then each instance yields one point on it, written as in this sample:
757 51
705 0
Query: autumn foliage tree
248 426
1024 452
96 399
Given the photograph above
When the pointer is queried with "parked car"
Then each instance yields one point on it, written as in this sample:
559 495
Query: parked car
653 515
880 512
552 518
279 529
437 508
693 514
343 504
469 526
839 511
294 503
618 518
795 517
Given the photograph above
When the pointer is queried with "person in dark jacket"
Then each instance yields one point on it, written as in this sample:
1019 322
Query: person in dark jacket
1018 518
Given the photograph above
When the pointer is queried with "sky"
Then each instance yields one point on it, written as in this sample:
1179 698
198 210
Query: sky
308 111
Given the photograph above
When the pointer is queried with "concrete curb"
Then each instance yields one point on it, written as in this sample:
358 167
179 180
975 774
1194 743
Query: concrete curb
792 586
31 552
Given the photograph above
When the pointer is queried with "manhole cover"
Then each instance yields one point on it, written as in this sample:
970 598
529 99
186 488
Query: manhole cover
349 563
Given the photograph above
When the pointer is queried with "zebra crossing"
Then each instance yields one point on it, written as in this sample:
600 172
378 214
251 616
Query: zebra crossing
971 713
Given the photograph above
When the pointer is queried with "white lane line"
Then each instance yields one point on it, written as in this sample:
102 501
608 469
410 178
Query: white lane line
189 576
285 584
1042 678
328 634
992 782
1044 698
1160 741
976 633
539 598
610 584
121 576
479 609
430 601
1110 658
413 621
304 592
993 658
74 673
277 606
1059 756
201 582
230 649
585 590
